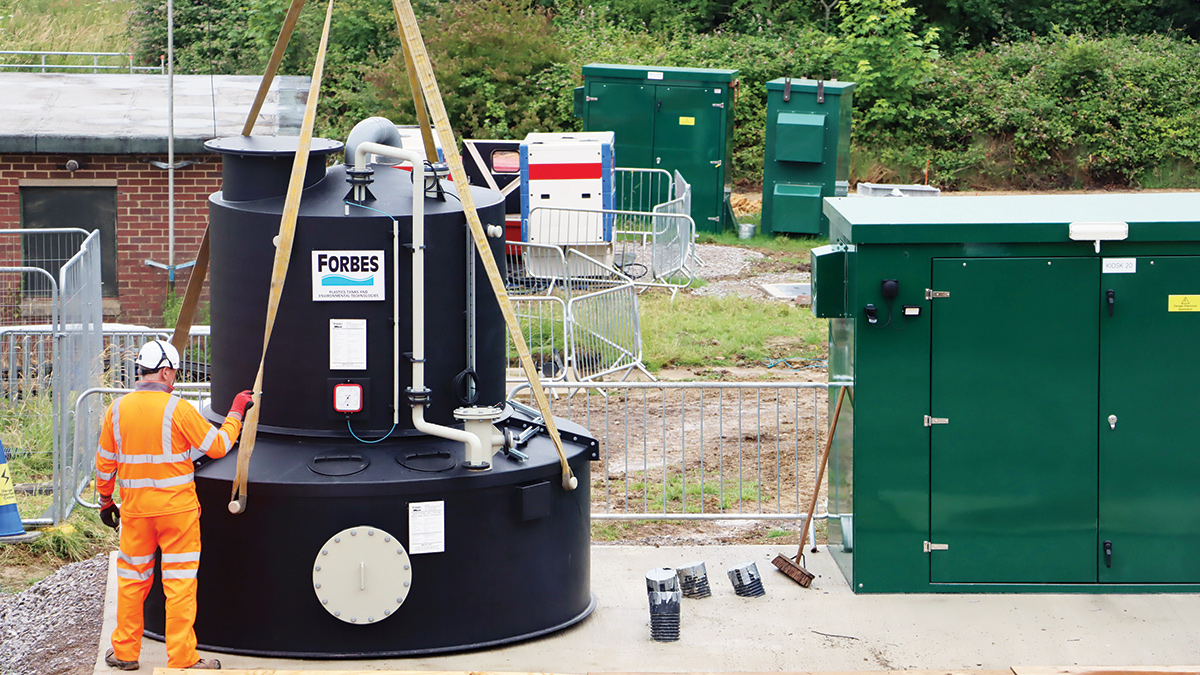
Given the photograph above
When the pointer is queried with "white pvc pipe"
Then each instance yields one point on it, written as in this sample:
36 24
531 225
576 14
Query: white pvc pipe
418 296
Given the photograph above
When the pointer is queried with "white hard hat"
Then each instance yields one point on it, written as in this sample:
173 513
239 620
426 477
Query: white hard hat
158 354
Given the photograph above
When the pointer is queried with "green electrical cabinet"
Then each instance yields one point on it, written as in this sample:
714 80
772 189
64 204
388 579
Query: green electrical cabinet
1024 388
807 153
677 119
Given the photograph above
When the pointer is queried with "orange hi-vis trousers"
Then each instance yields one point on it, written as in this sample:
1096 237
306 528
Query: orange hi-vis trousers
178 535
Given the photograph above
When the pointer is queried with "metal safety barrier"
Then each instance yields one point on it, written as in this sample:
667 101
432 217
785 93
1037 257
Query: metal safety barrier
50 319
47 62
700 450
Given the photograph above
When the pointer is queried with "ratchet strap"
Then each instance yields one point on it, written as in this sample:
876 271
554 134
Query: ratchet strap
410 34
283 256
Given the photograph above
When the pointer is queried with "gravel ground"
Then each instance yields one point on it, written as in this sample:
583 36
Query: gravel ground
54 627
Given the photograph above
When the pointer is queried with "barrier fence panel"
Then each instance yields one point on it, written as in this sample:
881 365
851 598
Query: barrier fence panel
700 450
606 334
543 321
642 189
78 364
49 308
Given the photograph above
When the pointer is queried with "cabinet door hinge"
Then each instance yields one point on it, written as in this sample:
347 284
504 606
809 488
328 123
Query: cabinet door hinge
931 547
930 294
930 421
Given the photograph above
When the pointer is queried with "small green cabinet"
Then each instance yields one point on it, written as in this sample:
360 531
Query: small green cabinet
1023 410
807 153
676 119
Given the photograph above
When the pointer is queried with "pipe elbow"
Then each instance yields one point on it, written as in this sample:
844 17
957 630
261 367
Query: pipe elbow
372 130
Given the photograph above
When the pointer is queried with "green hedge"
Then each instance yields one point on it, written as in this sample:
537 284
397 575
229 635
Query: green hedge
1052 111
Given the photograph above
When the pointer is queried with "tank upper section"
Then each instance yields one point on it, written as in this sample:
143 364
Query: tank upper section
302 362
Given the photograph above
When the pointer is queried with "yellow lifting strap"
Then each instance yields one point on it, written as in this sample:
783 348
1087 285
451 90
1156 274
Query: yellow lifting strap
283 256
410 34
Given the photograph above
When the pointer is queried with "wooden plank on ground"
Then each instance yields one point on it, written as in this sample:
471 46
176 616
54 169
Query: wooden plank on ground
268 671
1104 669
963 671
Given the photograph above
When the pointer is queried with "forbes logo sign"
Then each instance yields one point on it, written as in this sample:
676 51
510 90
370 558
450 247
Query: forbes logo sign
348 275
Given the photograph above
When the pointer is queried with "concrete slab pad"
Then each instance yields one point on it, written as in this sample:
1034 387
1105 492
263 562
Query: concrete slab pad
790 629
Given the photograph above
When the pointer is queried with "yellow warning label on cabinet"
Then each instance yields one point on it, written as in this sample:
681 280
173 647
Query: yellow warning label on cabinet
1183 303
687 121
7 494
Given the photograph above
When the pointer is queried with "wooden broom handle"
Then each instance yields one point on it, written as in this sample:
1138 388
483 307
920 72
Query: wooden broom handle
812 505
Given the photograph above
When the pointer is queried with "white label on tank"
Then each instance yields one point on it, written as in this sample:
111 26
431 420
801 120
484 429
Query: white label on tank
1120 266
347 344
654 75
426 527
348 275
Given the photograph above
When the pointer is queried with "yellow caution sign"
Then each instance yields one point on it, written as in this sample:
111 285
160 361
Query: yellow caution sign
7 494
687 121
1183 303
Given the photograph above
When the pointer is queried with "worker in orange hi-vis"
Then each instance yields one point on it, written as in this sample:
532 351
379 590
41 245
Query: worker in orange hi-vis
147 445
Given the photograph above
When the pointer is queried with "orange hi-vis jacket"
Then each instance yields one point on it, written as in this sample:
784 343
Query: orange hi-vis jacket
147 445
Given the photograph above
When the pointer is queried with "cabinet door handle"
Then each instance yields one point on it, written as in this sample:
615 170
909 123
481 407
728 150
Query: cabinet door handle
1112 300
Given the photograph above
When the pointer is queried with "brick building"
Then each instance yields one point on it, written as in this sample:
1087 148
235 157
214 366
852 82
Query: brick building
91 151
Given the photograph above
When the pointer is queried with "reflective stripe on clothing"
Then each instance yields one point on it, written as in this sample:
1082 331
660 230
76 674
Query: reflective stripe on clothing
135 575
154 459
179 574
168 415
169 558
156 483
135 560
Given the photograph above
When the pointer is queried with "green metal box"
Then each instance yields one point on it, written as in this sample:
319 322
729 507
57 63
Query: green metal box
795 206
1022 417
807 151
677 119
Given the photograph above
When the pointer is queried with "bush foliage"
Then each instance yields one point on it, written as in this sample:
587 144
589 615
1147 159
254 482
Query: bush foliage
1069 93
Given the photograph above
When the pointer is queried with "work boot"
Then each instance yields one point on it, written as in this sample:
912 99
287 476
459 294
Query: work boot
205 664
113 662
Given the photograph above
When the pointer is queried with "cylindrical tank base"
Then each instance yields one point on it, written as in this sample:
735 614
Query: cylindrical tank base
471 559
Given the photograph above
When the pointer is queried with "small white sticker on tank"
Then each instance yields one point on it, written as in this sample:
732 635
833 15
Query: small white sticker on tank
426 527
654 75
1120 266
347 344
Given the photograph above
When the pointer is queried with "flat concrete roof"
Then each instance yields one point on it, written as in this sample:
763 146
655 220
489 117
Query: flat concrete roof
792 629
127 113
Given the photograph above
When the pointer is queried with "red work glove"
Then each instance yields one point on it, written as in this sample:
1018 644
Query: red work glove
110 513
241 403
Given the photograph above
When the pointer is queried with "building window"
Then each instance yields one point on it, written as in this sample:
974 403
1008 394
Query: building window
88 208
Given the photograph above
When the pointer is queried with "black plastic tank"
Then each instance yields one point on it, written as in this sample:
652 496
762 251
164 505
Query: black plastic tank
359 539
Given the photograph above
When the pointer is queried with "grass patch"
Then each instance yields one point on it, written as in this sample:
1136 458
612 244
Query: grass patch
709 331
81 537
775 534
798 244
610 530
686 498
64 25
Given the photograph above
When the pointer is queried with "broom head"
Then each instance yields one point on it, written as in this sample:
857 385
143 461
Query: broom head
793 569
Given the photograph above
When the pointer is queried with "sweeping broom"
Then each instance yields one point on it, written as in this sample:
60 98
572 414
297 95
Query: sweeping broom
792 567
